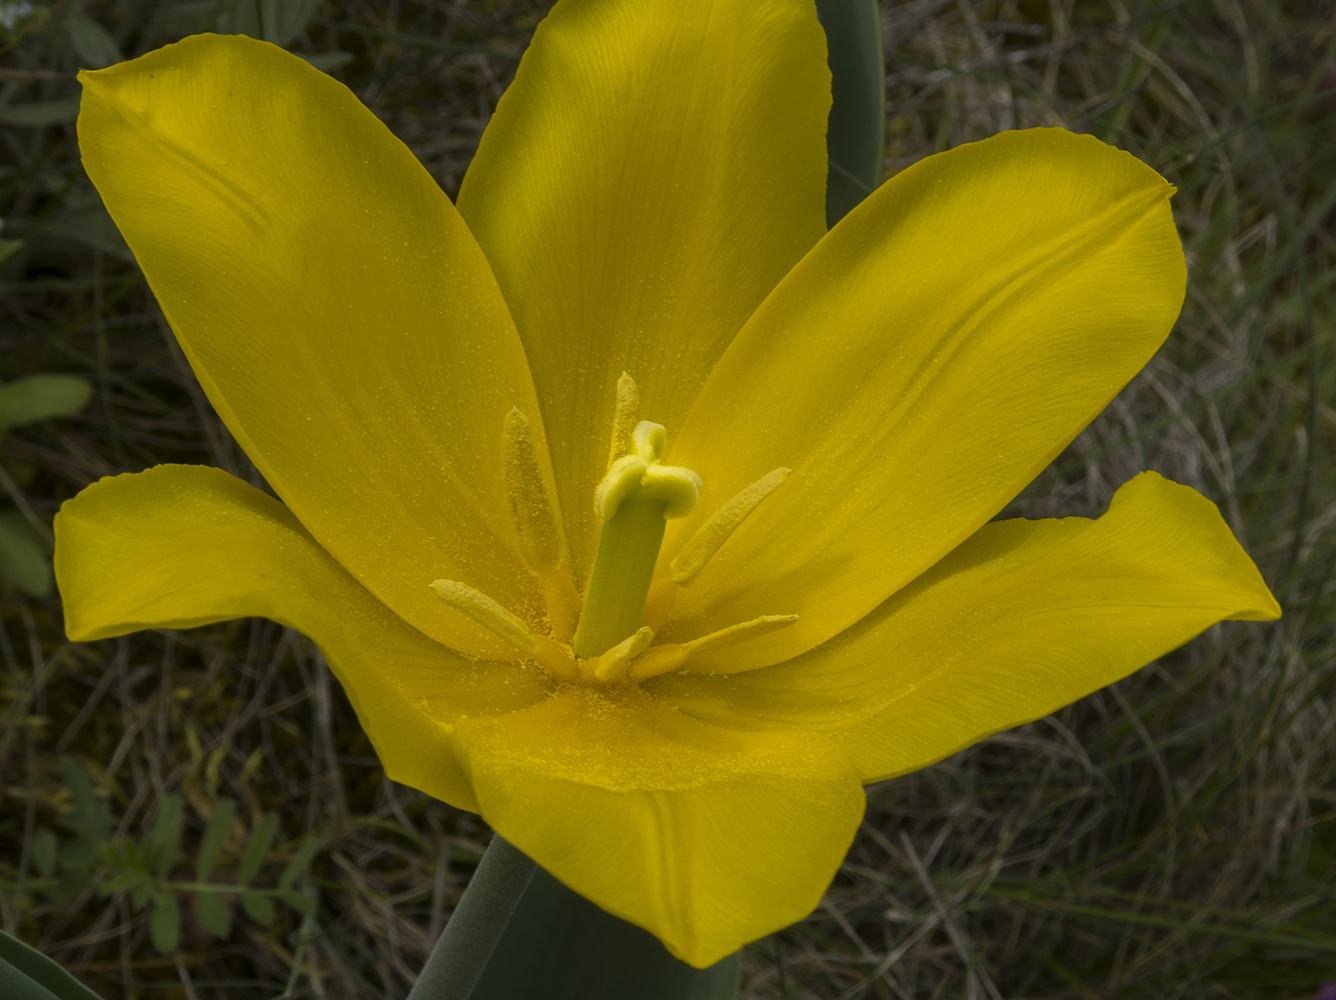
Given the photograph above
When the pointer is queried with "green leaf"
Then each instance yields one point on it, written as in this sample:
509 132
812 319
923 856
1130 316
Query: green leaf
81 791
23 559
301 861
8 247
79 854
140 890
40 114
92 44
327 62
164 924
44 853
258 907
298 901
129 868
560 946
123 879
239 17
856 136
39 397
257 849
88 225
90 819
283 20
27 974
16 986
70 883
163 843
212 913
215 836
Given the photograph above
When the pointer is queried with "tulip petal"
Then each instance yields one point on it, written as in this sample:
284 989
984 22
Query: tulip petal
707 837
1023 618
183 545
947 339
336 310
653 171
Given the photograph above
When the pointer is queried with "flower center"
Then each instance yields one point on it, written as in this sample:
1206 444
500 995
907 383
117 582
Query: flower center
634 500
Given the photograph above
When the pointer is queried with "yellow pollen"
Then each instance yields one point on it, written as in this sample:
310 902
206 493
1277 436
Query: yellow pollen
534 515
721 524
532 510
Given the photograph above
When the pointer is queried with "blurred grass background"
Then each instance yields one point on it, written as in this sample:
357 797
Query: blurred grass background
1172 836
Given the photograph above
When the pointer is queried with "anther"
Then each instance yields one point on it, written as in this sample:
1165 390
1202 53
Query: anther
501 623
538 529
721 524
531 508
487 613
676 656
624 417
611 666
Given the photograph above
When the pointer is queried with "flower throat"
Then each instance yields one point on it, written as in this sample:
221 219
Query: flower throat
633 501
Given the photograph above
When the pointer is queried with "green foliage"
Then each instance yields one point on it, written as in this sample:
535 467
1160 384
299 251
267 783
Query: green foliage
215 837
73 860
40 397
92 43
25 561
143 869
856 139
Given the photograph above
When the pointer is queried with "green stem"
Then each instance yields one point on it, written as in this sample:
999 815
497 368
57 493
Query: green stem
465 946
628 547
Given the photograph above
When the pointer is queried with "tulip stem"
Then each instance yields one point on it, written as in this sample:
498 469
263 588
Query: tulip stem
465 946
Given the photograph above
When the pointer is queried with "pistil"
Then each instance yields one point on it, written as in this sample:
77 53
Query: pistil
634 500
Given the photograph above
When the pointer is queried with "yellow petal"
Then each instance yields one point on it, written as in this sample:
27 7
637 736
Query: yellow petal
1023 618
916 370
706 837
182 545
650 175
339 315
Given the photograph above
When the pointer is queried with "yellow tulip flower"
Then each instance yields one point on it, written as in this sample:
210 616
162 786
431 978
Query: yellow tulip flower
476 419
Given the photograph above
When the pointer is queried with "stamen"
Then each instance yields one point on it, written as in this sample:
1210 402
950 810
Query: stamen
722 523
611 666
624 417
736 633
533 513
532 510
487 613
496 619
673 656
